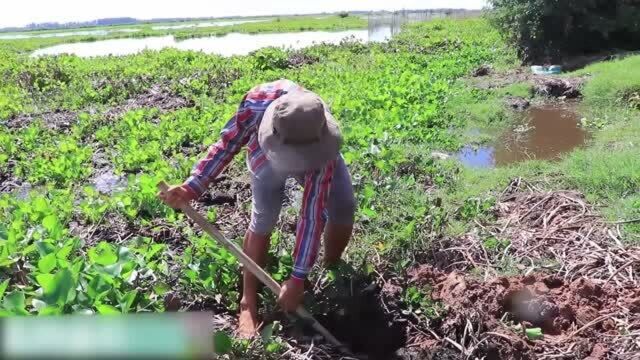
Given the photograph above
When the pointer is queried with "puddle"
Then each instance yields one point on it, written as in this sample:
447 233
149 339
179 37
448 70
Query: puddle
544 133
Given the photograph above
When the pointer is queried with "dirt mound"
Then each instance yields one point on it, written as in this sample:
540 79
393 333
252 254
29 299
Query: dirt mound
557 87
569 313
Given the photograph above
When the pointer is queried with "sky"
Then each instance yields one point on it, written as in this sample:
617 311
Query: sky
23 12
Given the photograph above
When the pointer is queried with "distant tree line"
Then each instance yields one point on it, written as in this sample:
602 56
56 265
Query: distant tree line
547 30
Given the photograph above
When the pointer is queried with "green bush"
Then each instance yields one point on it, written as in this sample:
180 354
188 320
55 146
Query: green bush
545 30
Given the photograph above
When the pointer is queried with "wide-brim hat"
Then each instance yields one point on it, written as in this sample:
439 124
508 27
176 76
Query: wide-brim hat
298 134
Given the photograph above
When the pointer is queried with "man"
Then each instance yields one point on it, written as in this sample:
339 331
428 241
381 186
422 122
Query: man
289 133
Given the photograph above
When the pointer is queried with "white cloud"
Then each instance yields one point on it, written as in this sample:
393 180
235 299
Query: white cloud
19 13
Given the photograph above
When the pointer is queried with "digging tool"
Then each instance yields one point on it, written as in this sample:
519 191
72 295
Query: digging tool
256 270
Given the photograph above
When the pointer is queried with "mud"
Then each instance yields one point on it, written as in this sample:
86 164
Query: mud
60 120
483 70
558 87
57 120
299 59
566 311
158 96
517 103
351 307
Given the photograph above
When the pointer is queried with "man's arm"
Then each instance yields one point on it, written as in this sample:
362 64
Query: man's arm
311 224
234 136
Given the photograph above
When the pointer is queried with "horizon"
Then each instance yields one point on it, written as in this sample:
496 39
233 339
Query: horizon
67 11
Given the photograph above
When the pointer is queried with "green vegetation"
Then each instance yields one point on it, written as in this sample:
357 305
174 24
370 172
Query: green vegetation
550 29
58 250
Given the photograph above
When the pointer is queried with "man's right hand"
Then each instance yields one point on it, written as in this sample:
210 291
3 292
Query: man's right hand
177 196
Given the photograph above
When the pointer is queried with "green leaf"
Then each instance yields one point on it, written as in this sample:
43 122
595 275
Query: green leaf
98 286
47 263
273 347
113 270
59 288
268 331
50 310
53 226
107 310
124 254
3 232
533 333
161 288
3 287
127 300
40 205
221 343
45 248
14 302
103 254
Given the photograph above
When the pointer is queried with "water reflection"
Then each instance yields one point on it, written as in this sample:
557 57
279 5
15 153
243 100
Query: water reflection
545 133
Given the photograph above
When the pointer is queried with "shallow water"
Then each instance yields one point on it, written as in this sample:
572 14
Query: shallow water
381 28
65 34
227 45
204 24
544 133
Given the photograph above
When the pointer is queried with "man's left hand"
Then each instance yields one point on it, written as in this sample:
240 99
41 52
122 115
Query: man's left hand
291 294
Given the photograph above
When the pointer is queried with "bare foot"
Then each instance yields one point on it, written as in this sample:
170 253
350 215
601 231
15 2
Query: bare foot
247 322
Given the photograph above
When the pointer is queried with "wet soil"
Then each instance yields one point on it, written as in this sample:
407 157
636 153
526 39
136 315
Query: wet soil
57 120
60 120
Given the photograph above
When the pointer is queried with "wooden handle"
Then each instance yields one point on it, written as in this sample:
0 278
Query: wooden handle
249 264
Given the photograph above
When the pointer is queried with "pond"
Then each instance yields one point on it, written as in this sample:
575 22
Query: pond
226 45
381 28
544 133
65 34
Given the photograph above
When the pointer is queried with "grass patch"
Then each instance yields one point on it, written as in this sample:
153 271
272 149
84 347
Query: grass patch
613 82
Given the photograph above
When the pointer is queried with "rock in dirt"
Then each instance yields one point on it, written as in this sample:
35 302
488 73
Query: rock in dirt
517 103
557 87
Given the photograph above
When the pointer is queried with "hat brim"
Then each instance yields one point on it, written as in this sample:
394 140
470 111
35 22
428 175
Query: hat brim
294 158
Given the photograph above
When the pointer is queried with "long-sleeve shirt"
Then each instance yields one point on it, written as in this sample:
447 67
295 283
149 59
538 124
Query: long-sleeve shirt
241 130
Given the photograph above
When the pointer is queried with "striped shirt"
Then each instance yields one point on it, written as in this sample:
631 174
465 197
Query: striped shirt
241 130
